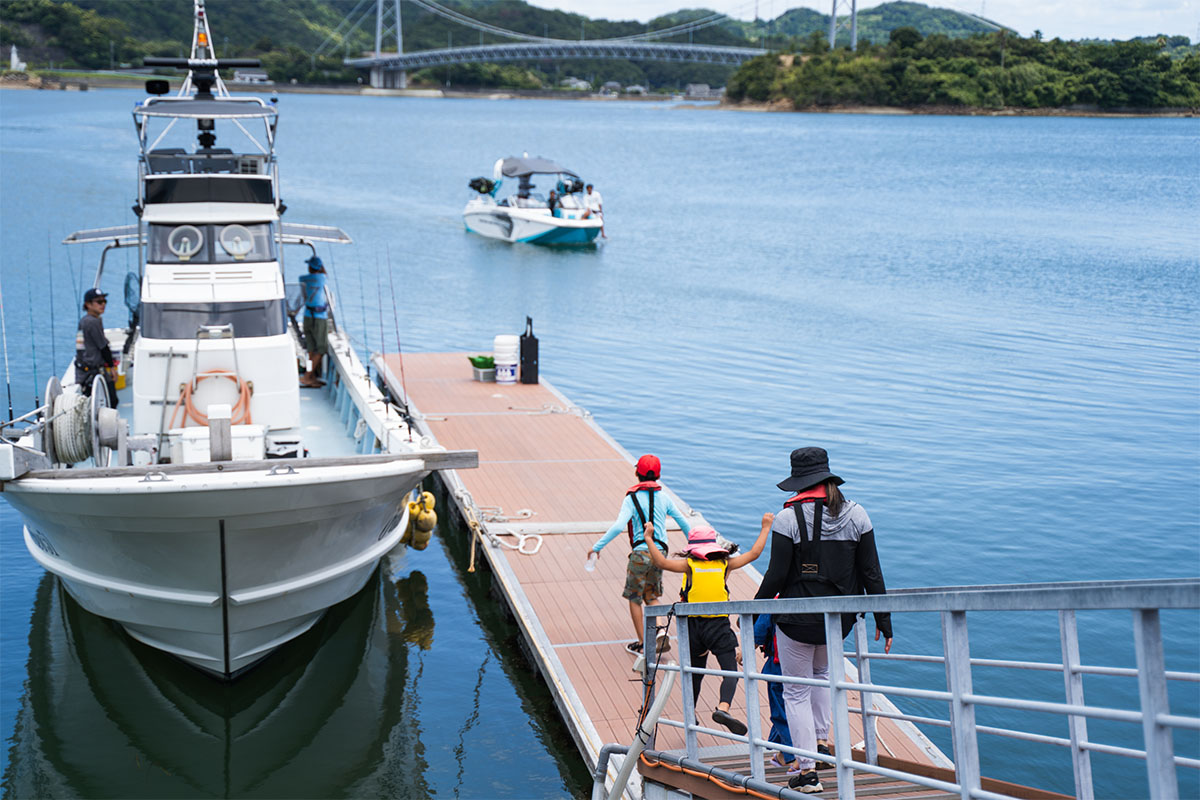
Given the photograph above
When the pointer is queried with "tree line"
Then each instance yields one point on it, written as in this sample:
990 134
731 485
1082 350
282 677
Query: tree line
989 71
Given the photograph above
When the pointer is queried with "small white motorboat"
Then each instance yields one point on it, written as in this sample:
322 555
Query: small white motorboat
221 510
525 215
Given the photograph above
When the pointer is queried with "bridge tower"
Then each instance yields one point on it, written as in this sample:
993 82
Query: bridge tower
834 27
380 78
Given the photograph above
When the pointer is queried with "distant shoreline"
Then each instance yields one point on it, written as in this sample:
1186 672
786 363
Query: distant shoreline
84 82
962 111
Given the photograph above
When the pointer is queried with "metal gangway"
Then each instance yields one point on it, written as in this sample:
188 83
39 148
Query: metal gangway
1143 599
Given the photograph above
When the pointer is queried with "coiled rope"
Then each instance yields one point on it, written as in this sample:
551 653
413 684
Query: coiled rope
528 544
72 428
241 409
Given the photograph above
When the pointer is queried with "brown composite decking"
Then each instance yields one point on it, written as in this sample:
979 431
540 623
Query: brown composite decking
544 466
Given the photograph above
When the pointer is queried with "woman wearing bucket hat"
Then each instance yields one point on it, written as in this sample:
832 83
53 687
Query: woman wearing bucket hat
821 545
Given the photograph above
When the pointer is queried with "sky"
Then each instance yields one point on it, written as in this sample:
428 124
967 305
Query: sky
1066 19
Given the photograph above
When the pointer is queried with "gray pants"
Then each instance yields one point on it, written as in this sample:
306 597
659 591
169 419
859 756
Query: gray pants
807 707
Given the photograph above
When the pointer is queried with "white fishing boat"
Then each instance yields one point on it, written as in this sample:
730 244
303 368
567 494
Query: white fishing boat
219 510
525 215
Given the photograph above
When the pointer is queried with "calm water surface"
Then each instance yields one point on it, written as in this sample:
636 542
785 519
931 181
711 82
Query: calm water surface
991 324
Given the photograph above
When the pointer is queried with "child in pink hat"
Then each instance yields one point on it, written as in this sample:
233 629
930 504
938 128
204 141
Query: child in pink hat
707 563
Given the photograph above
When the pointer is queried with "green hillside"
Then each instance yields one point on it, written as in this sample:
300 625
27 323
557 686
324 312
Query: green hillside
285 34
998 70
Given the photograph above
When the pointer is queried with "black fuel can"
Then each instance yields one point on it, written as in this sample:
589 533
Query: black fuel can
529 354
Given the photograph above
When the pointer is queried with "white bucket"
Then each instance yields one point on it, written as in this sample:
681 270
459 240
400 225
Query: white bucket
506 354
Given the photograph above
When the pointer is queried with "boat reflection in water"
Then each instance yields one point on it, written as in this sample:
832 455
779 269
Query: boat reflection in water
104 716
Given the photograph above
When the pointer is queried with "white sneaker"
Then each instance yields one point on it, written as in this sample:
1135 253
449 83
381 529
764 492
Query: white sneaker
662 642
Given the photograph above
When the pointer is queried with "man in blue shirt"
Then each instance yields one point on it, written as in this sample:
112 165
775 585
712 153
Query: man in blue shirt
316 320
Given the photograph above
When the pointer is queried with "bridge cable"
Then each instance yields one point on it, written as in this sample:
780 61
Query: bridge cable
451 14
338 30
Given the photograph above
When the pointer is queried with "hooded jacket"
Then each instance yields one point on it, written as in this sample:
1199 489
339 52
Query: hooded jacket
848 564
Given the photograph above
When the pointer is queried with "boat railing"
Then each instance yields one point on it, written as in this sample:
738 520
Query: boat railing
1144 599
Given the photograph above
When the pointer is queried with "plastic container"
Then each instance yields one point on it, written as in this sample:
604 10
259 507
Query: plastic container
118 372
506 352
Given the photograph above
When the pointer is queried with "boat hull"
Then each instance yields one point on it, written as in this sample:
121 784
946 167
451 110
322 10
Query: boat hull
532 226
218 569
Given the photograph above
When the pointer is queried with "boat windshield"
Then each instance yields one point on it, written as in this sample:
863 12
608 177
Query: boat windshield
183 320
200 189
211 244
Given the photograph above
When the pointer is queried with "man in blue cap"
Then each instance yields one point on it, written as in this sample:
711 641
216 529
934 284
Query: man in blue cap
93 356
316 320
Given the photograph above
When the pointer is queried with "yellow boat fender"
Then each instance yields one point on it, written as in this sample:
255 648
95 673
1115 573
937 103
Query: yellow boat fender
421 521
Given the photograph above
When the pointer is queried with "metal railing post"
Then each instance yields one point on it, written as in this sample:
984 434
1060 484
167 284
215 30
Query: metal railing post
650 661
1081 761
1152 686
685 686
840 705
962 714
866 703
753 717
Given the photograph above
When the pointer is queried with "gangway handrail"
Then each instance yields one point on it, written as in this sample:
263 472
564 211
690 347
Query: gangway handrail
1144 598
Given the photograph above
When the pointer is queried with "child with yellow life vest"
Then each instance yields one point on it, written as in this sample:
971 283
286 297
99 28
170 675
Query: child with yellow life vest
706 566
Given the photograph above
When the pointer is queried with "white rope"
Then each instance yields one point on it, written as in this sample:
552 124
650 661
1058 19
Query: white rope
528 544
72 431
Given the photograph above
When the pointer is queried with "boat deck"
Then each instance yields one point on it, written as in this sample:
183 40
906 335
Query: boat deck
546 468
326 429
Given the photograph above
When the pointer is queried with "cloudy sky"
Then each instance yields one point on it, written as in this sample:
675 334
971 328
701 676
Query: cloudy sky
1067 19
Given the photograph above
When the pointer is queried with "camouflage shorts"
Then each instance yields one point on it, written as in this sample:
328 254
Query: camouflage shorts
643 580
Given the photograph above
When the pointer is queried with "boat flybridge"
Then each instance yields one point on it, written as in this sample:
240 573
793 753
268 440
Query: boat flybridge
526 215
219 510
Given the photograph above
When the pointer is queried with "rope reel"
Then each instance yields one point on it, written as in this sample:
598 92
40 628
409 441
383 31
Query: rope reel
72 429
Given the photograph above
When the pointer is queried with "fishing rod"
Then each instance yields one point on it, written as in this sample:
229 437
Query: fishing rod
379 291
32 342
4 335
338 286
396 321
362 307
53 318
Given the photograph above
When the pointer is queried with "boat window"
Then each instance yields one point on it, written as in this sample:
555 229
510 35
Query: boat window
182 320
243 243
194 189
211 244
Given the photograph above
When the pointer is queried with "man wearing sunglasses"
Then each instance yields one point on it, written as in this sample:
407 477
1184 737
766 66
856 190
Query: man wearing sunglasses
93 356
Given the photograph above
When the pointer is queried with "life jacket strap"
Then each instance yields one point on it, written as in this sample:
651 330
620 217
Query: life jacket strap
810 551
651 488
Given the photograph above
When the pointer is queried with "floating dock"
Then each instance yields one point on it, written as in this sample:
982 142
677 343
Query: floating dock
550 481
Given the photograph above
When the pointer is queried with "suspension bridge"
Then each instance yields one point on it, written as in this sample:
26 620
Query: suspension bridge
390 69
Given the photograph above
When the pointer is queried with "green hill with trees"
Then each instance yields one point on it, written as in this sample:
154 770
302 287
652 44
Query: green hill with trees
942 57
989 71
